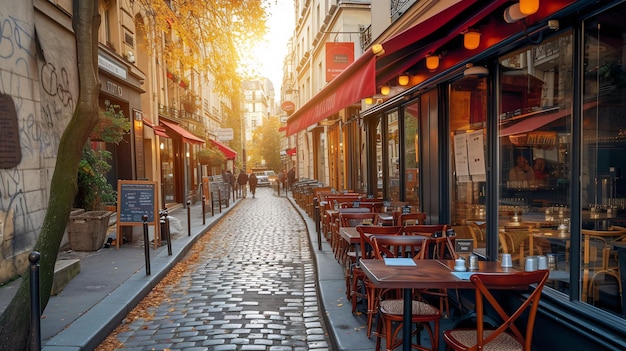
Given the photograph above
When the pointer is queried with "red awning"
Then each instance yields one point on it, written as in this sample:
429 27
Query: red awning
535 122
282 129
158 130
291 152
186 135
228 152
359 81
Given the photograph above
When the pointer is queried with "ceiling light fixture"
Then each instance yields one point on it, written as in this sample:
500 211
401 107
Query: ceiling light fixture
403 79
528 7
385 90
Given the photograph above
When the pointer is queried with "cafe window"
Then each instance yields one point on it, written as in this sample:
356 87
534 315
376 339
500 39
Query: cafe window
534 132
411 156
393 157
603 186
467 138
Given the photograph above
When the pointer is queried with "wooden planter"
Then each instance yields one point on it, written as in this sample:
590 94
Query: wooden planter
87 231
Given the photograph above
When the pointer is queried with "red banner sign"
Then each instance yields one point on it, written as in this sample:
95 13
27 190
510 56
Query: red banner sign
338 57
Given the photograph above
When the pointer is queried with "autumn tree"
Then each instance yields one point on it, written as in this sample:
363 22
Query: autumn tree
266 144
204 35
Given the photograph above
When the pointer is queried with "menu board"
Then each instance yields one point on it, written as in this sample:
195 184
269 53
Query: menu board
136 198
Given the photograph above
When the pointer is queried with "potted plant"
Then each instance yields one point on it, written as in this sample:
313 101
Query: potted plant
87 231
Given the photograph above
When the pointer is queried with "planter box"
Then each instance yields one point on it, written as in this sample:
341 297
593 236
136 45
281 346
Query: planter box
87 231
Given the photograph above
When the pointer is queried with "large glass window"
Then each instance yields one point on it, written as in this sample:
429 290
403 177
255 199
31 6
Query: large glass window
535 122
411 156
467 121
603 192
393 157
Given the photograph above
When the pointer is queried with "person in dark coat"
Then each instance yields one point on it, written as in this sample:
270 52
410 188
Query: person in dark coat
242 180
291 177
252 182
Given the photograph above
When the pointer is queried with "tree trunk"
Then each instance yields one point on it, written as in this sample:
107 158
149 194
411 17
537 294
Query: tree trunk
15 321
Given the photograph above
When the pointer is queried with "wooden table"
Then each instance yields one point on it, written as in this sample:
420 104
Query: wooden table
426 274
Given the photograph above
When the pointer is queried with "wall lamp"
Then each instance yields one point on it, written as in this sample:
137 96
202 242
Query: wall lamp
520 10
403 79
385 90
369 100
432 62
471 39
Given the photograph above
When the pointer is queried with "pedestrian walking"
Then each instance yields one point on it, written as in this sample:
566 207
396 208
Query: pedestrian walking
252 182
281 180
242 180
291 177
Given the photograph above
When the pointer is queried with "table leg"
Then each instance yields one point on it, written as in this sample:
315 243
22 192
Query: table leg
406 327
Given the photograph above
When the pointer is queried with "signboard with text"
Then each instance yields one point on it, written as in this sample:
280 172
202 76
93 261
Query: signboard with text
338 57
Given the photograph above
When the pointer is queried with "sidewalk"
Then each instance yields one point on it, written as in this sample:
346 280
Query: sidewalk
111 282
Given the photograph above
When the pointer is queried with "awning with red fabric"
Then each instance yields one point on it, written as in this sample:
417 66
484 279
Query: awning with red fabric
186 135
359 81
158 130
291 152
532 123
282 129
355 83
228 152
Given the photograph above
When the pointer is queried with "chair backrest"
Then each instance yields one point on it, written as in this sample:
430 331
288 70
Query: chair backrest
439 243
483 283
368 231
424 229
410 246
354 219
413 218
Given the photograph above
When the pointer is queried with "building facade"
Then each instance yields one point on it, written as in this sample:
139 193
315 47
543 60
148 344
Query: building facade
515 139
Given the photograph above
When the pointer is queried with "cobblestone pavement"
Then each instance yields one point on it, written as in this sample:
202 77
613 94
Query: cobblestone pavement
255 289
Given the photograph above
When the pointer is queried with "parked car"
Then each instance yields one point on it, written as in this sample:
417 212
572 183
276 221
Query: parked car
262 178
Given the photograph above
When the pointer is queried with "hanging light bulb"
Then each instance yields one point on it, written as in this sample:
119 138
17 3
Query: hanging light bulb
385 90
528 7
403 79
432 62
471 39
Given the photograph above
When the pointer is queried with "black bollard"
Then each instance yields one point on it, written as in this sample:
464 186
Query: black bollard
165 230
188 217
146 243
35 306
203 212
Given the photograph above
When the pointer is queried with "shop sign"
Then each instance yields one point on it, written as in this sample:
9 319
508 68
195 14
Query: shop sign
339 55
225 134
288 106
113 88
112 67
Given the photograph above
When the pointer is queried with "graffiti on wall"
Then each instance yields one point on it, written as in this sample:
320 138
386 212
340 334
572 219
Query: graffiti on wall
43 102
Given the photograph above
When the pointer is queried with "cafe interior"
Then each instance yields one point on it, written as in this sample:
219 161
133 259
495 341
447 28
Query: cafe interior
517 146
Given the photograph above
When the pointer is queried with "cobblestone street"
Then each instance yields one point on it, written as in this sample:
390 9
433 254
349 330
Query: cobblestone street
253 289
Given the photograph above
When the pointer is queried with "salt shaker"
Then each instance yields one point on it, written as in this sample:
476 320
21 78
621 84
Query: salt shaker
473 262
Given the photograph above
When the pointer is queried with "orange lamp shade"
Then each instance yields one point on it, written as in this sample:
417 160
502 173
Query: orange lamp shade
385 90
471 39
403 79
528 7
432 62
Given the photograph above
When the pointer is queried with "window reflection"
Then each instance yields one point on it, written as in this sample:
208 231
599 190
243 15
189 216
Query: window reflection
603 147
411 156
536 88
468 115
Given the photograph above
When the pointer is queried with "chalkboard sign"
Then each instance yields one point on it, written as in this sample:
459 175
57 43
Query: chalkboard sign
136 198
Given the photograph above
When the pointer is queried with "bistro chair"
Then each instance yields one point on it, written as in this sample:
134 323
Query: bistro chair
351 217
506 336
437 248
600 268
413 218
391 301
359 286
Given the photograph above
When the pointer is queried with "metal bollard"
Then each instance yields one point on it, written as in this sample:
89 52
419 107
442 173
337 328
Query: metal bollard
203 211
35 306
165 229
316 218
146 241
188 217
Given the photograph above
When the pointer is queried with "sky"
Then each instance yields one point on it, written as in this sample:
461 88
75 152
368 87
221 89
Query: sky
271 53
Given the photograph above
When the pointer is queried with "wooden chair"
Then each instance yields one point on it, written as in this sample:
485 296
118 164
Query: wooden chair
431 230
391 302
516 241
356 280
507 336
599 261
413 218
351 217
